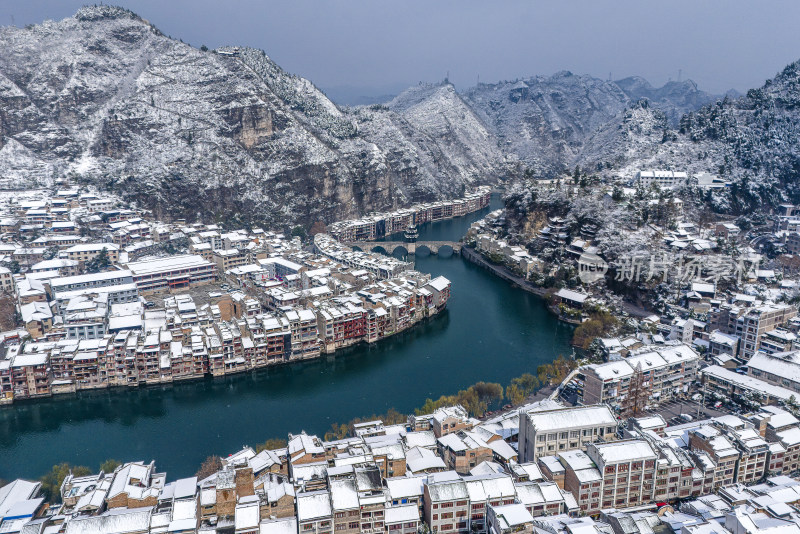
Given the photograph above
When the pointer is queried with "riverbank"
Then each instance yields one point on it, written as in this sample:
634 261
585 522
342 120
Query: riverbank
473 256
501 271
61 388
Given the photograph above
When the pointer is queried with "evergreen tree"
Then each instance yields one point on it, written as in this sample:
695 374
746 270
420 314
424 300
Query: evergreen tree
98 263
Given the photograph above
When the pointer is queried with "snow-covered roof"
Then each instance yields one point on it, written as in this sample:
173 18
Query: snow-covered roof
572 418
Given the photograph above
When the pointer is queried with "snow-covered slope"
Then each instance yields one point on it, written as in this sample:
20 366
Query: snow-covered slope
545 121
633 135
673 98
451 147
105 97
751 140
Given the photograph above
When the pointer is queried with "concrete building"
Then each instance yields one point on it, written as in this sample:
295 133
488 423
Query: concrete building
549 432
652 374
664 179
779 369
90 281
628 469
174 272
85 252
751 326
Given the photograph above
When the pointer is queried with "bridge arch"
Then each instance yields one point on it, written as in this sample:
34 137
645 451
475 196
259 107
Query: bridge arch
399 252
446 250
424 250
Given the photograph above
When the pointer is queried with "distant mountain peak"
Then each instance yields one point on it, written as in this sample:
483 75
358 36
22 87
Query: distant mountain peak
100 12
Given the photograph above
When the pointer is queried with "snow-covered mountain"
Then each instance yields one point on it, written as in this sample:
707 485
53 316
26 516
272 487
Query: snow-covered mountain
430 133
673 98
228 135
751 140
545 121
103 96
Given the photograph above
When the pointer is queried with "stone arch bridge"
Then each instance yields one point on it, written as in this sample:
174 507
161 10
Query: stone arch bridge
391 246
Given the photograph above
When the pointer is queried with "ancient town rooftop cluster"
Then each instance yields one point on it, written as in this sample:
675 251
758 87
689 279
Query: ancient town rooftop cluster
107 296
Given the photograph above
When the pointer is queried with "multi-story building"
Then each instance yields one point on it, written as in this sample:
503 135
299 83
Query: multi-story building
447 506
464 450
549 432
628 469
780 368
778 340
793 240
651 374
722 453
314 512
304 333
450 419
510 518
485 491
582 479
90 281
751 326
174 272
85 252
227 259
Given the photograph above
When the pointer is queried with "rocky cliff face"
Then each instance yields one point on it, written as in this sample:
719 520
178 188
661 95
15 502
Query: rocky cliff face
229 136
221 135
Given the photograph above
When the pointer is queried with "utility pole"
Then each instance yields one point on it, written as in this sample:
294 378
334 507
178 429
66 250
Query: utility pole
702 402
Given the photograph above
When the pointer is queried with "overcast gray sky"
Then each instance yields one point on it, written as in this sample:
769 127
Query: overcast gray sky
379 47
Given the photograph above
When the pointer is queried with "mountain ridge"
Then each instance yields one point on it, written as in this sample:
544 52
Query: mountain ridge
106 98
228 135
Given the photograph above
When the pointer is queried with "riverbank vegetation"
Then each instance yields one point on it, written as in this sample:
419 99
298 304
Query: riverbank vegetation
272 444
476 399
51 482
601 323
